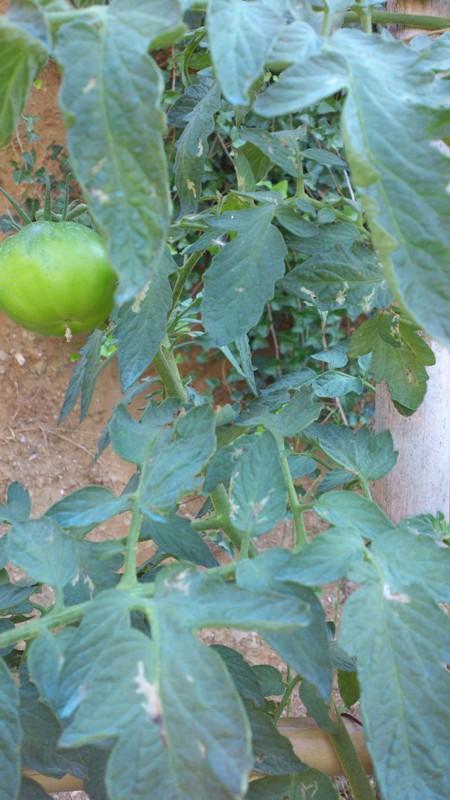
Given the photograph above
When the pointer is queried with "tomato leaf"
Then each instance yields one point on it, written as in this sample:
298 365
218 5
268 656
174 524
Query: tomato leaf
374 618
87 507
273 752
141 325
18 504
309 651
30 790
257 493
308 785
176 537
346 277
192 146
10 735
175 465
42 730
356 513
406 199
24 46
362 453
242 276
121 165
83 378
399 356
241 36
43 550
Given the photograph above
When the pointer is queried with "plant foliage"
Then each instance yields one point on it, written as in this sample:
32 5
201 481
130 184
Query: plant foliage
286 151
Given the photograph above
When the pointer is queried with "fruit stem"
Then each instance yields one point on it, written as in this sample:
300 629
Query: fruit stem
18 208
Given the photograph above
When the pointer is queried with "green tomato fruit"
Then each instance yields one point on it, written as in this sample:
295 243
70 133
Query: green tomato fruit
55 278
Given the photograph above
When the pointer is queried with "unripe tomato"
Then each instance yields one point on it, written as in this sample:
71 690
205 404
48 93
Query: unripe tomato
55 278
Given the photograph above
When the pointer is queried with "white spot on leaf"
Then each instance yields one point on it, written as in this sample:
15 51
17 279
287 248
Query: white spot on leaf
398 597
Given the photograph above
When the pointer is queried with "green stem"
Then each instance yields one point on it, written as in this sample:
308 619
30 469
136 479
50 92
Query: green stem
365 13
129 577
300 188
351 765
296 507
326 22
183 275
21 212
222 507
54 619
166 365
209 523
408 20
76 212
365 487
286 697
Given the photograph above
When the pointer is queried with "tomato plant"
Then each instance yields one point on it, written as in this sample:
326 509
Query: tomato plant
254 191
55 278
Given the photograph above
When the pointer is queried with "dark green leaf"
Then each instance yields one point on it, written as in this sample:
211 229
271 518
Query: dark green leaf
12 594
45 657
10 735
133 440
270 680
308 651
294 222
241 36
343 278
242 276
18 504
257 493
24 45
176 537
242 674
325 157
43 550
401 643
280 147
42 731
273 752
84 376
220 468
121 166
361 453
333 478
399 356
87 507
30 790
295 415
141 325
300 465
175 466
348 687
192 146
316 707
309 785
98 565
